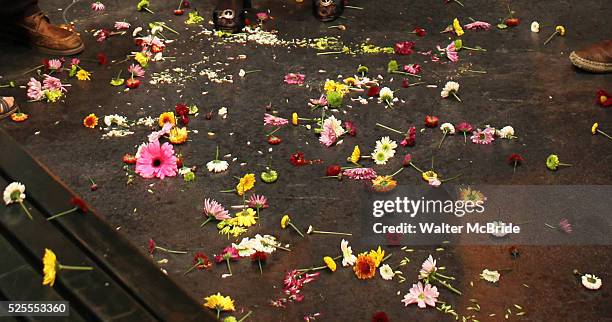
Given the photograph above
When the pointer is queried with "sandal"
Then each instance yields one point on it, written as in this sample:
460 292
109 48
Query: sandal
5 108
327 10
228 15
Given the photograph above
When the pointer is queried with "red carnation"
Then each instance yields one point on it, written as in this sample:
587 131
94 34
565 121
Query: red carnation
274 140
79 203
373 91
201 261
404 47
350 128
333 170
132 83
297 159
181 109
151 246
129 159
102 59
380 317
420 31
603 98
431 121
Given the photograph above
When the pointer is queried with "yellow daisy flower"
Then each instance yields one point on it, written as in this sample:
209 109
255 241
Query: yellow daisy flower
219 302
294 118
167 117
594 128
429 175
83 75
356 155
457 26
560 30
178 135
91 121
331 264
246 183
377 256
49 267
142 59
284 221
245 218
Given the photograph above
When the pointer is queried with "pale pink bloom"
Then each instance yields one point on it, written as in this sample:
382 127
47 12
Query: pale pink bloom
98 6
214 209
422 296
328 136
154 136
321 101
451 52
121 25
294 79
263 16
136 70
75 62
565 226
428 267
54 64
156 160
478 25
101 35
485 136
412 68
270 119
34 89
258 201
52 83
360 173
434 182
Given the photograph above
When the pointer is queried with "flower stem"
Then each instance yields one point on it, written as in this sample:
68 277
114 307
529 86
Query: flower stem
218 313
229 267
191 268
459 3
452 178
473 49
206 221
565 164
172 30
414 166
63 213
170 250
252 71
274 131
405 73
33 69
260 270
227 191
296 229
330 233
455 95
353 7
329 53
443 137
246 316
396 172
514 168
415 84
445 284
604 134
25 209
76 268
550 38
388 128
148 10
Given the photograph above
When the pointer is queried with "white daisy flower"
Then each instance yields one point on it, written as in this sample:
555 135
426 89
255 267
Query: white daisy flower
451 88
447 128
386 272
217 166
386 94
335 125
386 145
348 259
490 276
507 132
535 26
591 281
14 192
380 157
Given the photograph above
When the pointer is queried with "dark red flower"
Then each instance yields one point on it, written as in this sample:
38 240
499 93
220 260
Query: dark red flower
179 12
129 159
431 121
405 83
179 161
410 139
515 159
247 21
297 159
201 261
404 47
380 317
274 140
407 160
350 128
373 91
209 115
151 246
157 49
79 203
259 256
102 59
181 109
186 4
132 83
513 22
333 170
603 98
185 119
93 187
420 31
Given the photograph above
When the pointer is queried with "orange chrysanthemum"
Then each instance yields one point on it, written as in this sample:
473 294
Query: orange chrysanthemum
384 183
19 117
167 117
365 267
90 121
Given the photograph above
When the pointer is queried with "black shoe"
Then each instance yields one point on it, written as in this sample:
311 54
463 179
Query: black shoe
229 14
327 10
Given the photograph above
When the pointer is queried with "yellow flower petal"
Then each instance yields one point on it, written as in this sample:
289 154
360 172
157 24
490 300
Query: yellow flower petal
331 264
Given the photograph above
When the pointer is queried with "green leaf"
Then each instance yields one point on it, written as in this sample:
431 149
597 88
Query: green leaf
117 81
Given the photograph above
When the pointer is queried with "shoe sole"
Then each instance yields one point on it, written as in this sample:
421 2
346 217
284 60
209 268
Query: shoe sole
19 39
56 52
589 65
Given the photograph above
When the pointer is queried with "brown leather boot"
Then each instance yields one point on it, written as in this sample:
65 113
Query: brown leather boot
595 58
49 38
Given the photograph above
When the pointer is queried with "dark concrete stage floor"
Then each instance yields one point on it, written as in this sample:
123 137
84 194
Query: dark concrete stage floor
527 85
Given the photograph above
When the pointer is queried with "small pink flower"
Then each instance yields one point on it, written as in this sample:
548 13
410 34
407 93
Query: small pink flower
481 25
54 64
328 136
485 136
155 136
410 140
434 182
34 89
51 83
464 127
98 6
451 52
258 201
565 226
404 47
412 68
262 16
321 101
360 173
214 209
122 25
422 296
101 35
75 62
294 79
407 160
156 160
227 254
351 129
274 120
428 267
136 70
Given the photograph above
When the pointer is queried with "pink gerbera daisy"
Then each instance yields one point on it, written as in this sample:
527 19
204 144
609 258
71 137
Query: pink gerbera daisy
213 209
258 201
34 89
428 267
360 173
122 25
270 119
328 136
136 70
54 64
294 79
423 296
485 136
156 160
52 83
98 6
451 52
